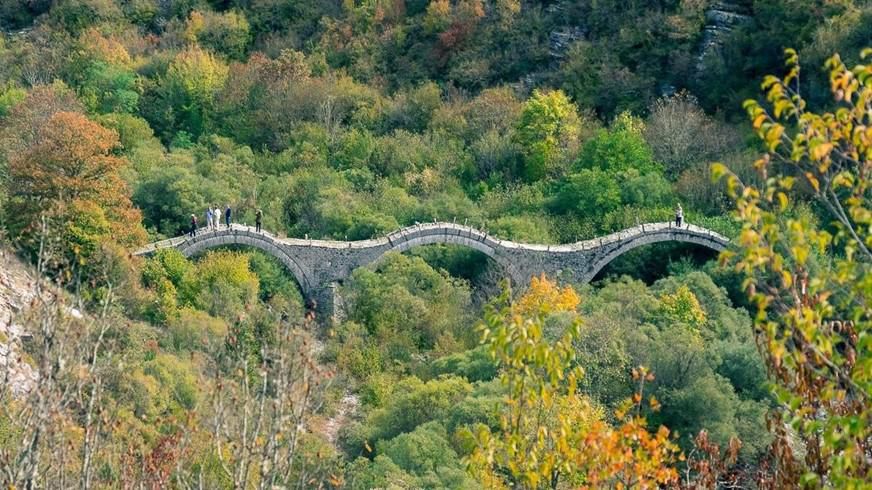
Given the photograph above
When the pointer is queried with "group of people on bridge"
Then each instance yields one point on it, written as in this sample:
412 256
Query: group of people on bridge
213 219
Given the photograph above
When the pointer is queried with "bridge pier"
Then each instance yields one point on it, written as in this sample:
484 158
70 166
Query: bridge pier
329 306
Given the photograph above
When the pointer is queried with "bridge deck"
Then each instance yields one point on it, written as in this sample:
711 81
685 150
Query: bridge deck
451 229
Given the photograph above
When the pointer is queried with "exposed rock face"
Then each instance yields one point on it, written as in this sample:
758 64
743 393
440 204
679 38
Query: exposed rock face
720 20
16 294
560 41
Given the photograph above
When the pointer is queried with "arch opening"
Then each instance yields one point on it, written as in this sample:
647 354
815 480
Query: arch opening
483 273
676 243
648 263
262 243
275 277
479 243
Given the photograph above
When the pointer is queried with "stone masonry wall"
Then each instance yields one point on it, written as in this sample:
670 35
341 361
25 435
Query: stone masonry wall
320 266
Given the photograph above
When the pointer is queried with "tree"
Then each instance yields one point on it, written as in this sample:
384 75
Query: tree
590 193
619 149
682 135
226 32
76 15
25 119
75 358
682 306
189 87
67 169
426 306
550 434
102 71
543 414
811 285
548 133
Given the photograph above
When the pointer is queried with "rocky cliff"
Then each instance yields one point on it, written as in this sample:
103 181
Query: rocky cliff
720 20
17 292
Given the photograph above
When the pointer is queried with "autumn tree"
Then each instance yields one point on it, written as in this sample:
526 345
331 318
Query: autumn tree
544 416
811 284
551 434
21 126
68 175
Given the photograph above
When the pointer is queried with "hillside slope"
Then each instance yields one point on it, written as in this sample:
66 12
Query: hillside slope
17 292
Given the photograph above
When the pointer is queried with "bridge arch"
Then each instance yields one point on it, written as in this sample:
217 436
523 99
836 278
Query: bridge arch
264 242
451 234
620 243
318 265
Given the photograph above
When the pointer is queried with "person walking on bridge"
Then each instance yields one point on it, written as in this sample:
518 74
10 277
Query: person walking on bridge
209 223
216 217
258 219
679 215
193 225
227 216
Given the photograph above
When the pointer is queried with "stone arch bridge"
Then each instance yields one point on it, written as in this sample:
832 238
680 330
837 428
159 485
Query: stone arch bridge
319 266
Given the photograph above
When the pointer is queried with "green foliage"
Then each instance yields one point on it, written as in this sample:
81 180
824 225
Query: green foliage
109 88
274 279
547 132
407 306
683 307
474 365
187 92
224 284
9 96
76 15
694 341
426 453
194 330
618 150
647 191
592 192
228 32
412 402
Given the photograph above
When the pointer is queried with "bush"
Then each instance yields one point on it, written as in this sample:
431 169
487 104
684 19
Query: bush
194 330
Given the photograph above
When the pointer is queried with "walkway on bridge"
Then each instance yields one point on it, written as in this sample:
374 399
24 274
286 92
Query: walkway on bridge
319 265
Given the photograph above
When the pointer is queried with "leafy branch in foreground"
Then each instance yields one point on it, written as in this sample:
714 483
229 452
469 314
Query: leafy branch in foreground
550 433
812 284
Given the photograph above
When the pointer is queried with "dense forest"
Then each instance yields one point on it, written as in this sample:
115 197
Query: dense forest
544 122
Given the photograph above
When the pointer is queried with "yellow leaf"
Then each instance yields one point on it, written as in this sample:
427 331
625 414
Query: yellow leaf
782 200
759 120
820 151
813 181
718 170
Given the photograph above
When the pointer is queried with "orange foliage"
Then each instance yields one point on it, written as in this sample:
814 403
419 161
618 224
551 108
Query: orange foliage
628 456
71 159
106 49
545 296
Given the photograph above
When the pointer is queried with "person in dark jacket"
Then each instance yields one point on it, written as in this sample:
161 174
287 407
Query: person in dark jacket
193 225
258 219
227 216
